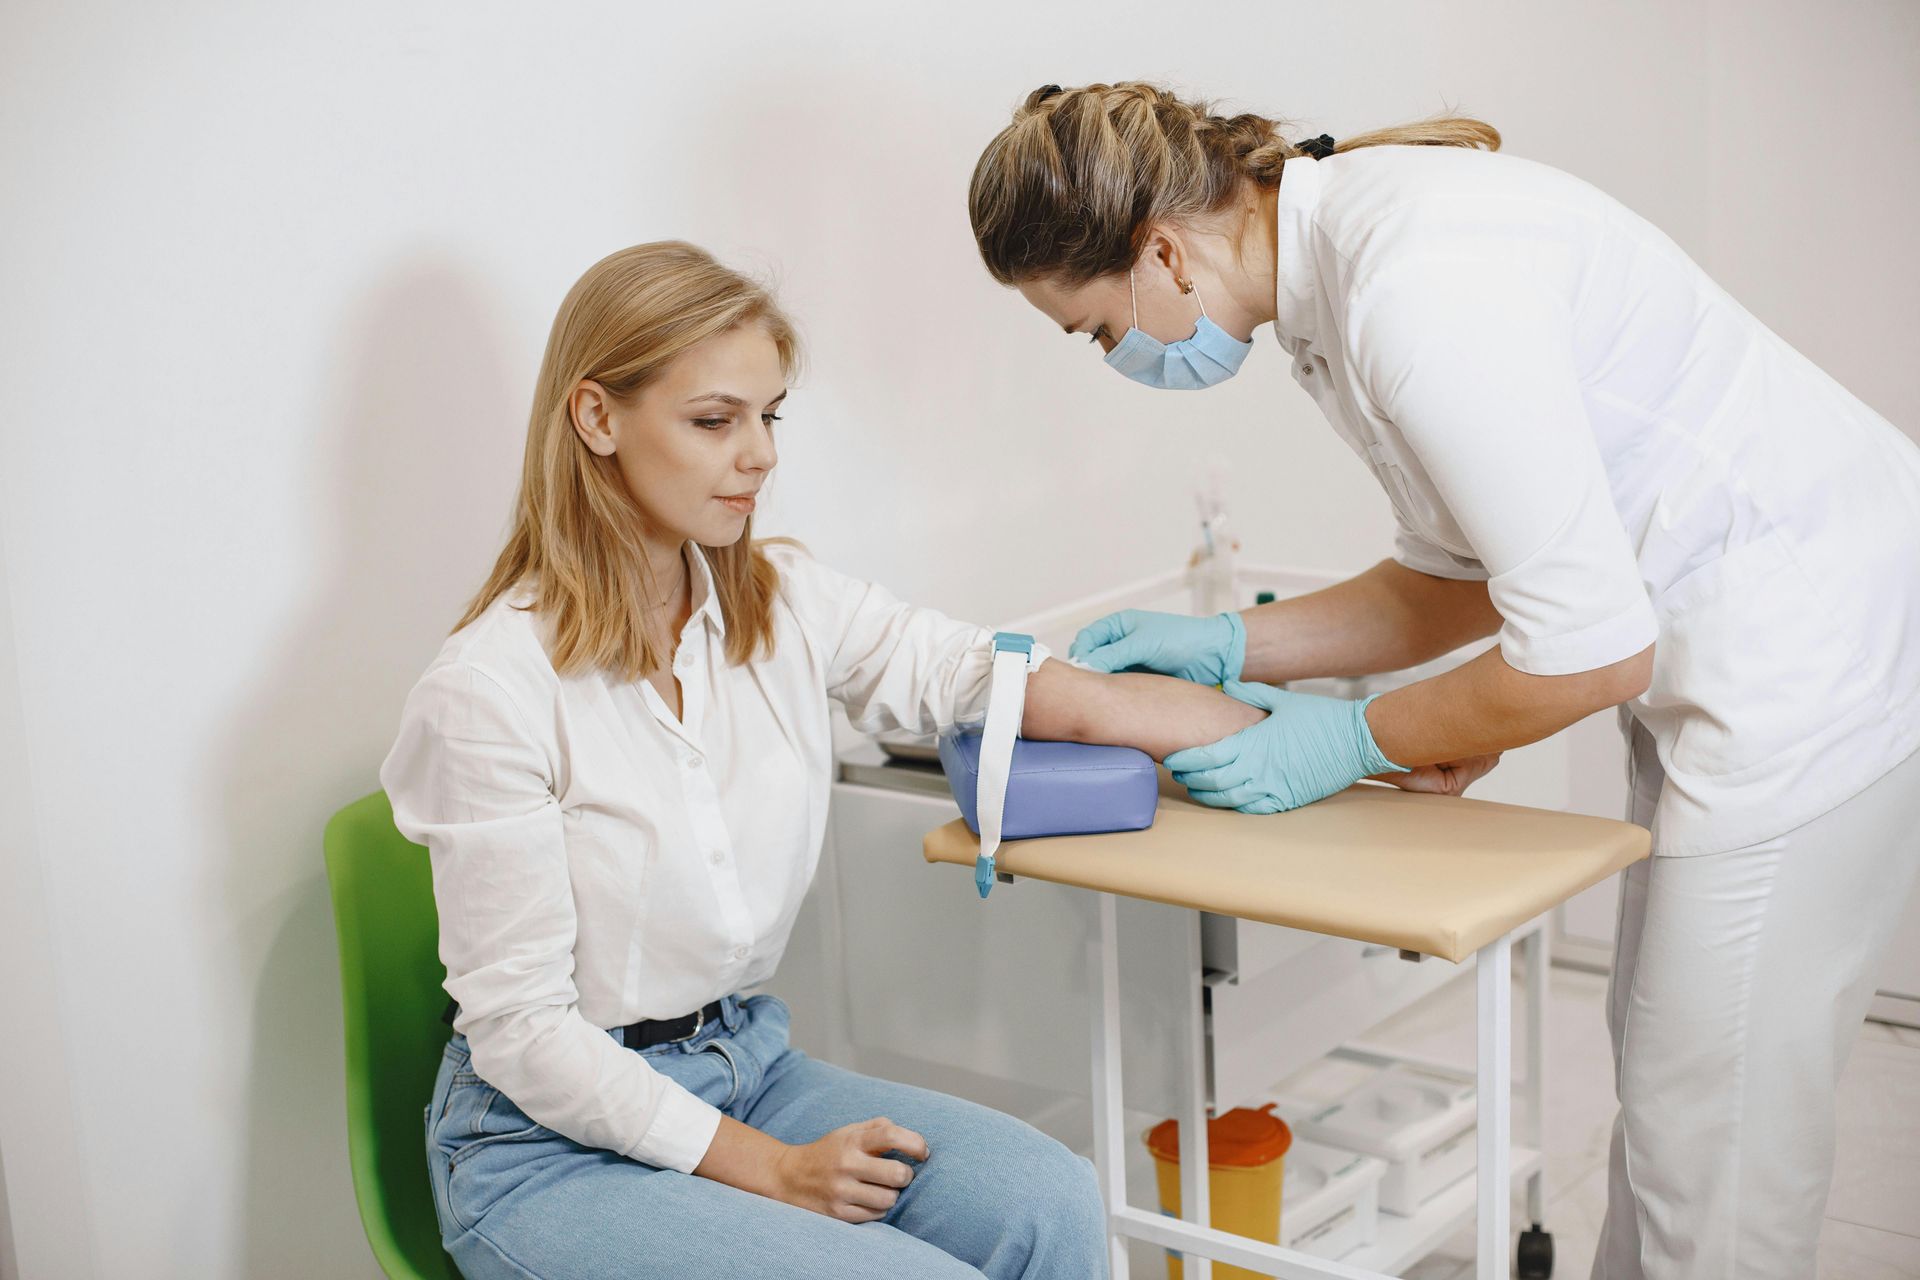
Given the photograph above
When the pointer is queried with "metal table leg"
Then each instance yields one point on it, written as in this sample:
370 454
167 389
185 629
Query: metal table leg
1494 1016
1194 1188
1109 1116
1535 1259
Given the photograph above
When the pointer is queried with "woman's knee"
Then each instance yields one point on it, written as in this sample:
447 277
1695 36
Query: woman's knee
1039 1189
1076 1189
1054 1223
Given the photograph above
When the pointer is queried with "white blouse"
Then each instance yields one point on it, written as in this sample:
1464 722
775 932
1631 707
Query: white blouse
597 861
1557 400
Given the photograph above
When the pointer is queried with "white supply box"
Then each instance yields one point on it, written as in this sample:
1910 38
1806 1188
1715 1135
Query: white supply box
1419 1120
1330 1200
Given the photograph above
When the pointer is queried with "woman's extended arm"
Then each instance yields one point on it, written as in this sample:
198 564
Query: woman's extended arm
1161 715
1157 714
895 665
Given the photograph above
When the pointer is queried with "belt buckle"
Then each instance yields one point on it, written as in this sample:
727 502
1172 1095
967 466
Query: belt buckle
699 1021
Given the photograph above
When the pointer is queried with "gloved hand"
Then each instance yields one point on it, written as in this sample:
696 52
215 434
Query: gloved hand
1203 650
1306 749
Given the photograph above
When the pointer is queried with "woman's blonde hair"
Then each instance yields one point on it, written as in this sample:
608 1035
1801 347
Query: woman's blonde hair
1067 191
576 527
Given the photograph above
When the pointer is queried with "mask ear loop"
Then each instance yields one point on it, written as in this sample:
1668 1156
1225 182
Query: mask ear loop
1133 296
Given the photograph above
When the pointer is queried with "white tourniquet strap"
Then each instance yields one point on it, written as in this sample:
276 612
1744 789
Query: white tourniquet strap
1006 704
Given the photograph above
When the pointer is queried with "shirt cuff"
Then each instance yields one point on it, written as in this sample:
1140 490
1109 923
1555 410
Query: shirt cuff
682 1130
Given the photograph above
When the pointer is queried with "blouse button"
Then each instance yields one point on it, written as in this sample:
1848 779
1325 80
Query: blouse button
691 762
739 953
716 857
1306 368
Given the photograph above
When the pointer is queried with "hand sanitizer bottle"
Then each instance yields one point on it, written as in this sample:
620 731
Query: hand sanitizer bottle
1210 571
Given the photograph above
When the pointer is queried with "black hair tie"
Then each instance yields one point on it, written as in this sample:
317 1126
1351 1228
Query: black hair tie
1319 148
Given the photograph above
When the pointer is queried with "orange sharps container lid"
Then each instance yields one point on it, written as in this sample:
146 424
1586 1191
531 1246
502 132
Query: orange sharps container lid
1240 1139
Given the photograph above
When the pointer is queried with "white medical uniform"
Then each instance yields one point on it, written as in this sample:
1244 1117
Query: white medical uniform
598 860
1558 401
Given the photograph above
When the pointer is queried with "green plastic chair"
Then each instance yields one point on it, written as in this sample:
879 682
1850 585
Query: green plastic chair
390 975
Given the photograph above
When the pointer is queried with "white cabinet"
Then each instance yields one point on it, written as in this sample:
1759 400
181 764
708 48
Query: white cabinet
986 999
936 974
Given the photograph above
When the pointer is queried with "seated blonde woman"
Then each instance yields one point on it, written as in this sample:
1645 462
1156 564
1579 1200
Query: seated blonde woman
620 762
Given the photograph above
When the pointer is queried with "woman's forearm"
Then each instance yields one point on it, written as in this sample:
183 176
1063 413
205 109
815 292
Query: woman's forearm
744 1157
1157 714
1385 619
843 1174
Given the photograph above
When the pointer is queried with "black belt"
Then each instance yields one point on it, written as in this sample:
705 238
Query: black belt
644 1034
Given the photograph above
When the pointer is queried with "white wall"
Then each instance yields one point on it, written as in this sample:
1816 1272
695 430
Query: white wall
276 284
1813 181
42 1179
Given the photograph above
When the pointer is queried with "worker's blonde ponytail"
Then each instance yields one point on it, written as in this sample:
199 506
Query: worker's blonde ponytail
1066 191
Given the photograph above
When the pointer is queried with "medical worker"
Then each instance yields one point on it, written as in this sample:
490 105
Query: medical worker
1652 500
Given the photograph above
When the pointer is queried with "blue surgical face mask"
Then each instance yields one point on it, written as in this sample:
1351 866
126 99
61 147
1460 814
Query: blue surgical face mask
1207 359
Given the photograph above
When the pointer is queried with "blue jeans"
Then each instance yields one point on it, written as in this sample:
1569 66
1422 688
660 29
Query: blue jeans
995 1197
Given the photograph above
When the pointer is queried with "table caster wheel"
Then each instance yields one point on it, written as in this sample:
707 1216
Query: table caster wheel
1536 1254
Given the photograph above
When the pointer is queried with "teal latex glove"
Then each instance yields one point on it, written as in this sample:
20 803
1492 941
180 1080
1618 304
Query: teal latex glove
1203 650
1306 749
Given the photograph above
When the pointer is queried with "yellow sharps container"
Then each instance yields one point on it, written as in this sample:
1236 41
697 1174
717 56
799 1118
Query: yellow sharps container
1246 1160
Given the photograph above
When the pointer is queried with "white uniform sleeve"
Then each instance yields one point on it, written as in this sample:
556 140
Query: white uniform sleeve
469 780
891 665
1474 366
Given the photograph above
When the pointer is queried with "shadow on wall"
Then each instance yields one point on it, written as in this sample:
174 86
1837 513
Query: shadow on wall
415 469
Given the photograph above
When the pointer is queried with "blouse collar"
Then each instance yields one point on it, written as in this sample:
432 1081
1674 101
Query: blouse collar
1296 289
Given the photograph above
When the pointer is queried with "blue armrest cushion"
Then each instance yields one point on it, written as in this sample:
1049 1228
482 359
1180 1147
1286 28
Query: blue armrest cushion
1057 788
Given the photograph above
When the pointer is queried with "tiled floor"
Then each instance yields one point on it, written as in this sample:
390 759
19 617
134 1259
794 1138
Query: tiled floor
1873 1213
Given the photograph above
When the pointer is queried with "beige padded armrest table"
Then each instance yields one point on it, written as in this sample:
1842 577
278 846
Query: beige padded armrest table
1432 875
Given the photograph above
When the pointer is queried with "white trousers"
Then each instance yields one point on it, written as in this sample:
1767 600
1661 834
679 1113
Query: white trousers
1740 980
